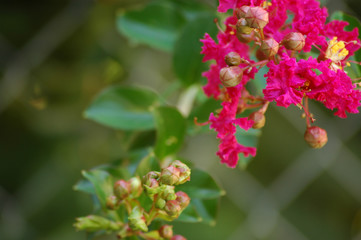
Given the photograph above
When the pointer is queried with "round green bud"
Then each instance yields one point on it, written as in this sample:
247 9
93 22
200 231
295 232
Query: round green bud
183 199
269 47
170 175
258 118
232 59
172 208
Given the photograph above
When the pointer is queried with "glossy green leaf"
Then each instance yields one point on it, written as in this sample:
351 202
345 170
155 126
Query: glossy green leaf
84 186
187 60
353 23
156 25
207 209
171 128
102 182
147 164
201 186
124 107
247 138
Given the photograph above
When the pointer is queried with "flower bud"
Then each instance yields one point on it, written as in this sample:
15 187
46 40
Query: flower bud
178 237
269 47
294 41
137 220
260 55
121 189
94 223
242 11
169 175
245 38
149 177
242 27
172 208
183 199
160 203
232 59
258 118
316 137
185 171
256 17
231 76
167 192
135 187
166 231
112 202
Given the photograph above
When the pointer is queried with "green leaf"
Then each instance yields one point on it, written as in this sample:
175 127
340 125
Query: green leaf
247 138
353 22
84 186
102 182
156 25
171 128
147 164
124 107
187 60
189 215
207 209
201 186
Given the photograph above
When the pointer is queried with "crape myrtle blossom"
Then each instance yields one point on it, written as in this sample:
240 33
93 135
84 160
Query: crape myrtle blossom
265 30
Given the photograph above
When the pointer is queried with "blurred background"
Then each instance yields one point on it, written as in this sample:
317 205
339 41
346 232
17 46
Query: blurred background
56 55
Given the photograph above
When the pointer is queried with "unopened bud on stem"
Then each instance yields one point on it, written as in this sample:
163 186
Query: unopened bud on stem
294 41
242 27
183 199
258 118
173 208
121 189
242 11
316 137
170 175
232 59
231 76
184 172
256 17
269 47
166 231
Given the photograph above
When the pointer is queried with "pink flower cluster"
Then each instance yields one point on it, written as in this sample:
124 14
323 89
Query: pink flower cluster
291 78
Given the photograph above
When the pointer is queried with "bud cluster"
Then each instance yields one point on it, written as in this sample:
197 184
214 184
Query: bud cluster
166 203
160 186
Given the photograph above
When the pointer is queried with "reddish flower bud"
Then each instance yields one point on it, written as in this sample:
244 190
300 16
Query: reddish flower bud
269 47
183 199
232 59
258 118
242 27
242 11
178 237
316 137
121 189
149 177
231 76
294 41
184 171
166 231
170 175
172 208
256 17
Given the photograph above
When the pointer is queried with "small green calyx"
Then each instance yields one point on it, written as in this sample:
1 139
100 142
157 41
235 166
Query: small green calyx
137 220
